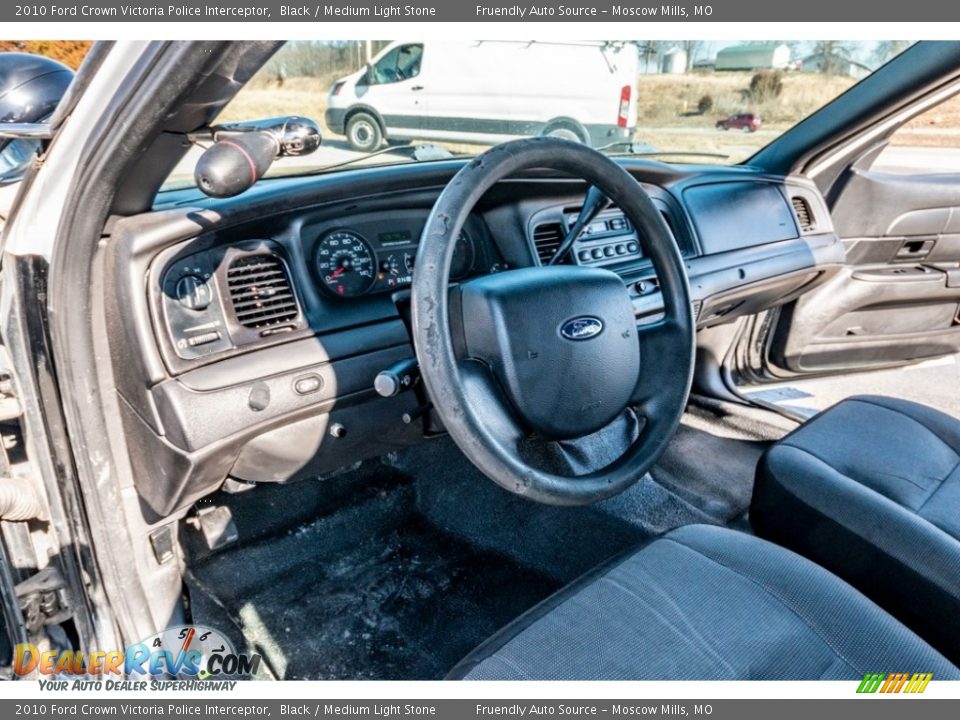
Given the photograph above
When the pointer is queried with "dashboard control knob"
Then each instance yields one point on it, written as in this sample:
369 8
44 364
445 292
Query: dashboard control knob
584 255
608 251
338 430
632 247
386 385
621 249
400 376
193 292
597 253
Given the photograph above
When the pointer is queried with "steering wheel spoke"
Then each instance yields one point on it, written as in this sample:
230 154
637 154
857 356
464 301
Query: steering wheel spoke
492 408
663 348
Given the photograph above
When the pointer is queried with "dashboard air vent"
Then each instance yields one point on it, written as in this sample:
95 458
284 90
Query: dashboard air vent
547 238
801 208
260 291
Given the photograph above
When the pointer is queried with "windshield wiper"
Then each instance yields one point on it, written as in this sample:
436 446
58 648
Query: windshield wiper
420 153
642 149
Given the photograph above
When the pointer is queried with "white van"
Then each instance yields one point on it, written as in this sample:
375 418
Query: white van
487 92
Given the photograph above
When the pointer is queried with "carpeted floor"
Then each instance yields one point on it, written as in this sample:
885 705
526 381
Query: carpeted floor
403 601
397 569
714 474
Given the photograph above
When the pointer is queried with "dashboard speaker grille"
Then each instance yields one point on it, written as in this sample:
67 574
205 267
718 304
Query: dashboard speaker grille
801 208
547 238
260 291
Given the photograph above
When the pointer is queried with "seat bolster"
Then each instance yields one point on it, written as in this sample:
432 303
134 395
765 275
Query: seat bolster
904 563
942 508
944 426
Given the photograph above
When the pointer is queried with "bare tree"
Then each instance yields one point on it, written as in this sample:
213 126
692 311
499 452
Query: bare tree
309 58
692 48
833 55
647 50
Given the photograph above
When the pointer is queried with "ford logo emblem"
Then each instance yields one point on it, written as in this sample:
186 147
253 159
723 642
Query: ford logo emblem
581 328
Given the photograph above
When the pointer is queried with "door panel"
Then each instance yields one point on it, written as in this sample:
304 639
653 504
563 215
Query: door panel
898 298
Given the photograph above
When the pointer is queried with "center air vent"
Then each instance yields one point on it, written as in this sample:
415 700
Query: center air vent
260 291
801 208
547 238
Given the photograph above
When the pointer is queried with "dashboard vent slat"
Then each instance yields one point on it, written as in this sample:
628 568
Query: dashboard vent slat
547 238
260 291
279 299
263 275
801 208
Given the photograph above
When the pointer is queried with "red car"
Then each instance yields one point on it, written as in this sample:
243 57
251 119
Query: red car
747 122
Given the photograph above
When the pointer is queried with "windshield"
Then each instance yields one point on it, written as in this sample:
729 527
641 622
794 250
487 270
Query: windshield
380 102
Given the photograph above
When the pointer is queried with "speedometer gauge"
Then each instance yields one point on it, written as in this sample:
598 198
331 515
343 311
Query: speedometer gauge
345 263
462 262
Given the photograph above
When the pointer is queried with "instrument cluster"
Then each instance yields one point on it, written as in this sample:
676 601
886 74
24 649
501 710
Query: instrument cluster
352 261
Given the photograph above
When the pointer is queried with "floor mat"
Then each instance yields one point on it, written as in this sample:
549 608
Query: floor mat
712 473
406 604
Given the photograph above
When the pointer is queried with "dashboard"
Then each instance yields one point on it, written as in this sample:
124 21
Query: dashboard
247 333
251 291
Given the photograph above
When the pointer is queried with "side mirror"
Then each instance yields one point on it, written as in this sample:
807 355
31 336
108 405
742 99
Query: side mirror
243 152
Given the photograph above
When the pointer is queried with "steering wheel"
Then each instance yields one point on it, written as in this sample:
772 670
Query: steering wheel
552 352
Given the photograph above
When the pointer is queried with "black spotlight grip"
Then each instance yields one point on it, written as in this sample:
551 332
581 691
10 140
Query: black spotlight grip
233 164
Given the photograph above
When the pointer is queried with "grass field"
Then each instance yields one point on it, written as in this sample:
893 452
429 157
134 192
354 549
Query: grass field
671 100
299 96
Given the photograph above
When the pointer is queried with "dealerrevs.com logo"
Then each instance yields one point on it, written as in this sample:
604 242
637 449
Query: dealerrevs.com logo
185 652
911 683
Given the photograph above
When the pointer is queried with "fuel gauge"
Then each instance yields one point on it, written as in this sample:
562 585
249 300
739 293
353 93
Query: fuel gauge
396 269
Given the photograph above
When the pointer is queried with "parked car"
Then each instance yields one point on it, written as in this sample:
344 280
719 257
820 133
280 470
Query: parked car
745 122
488 92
